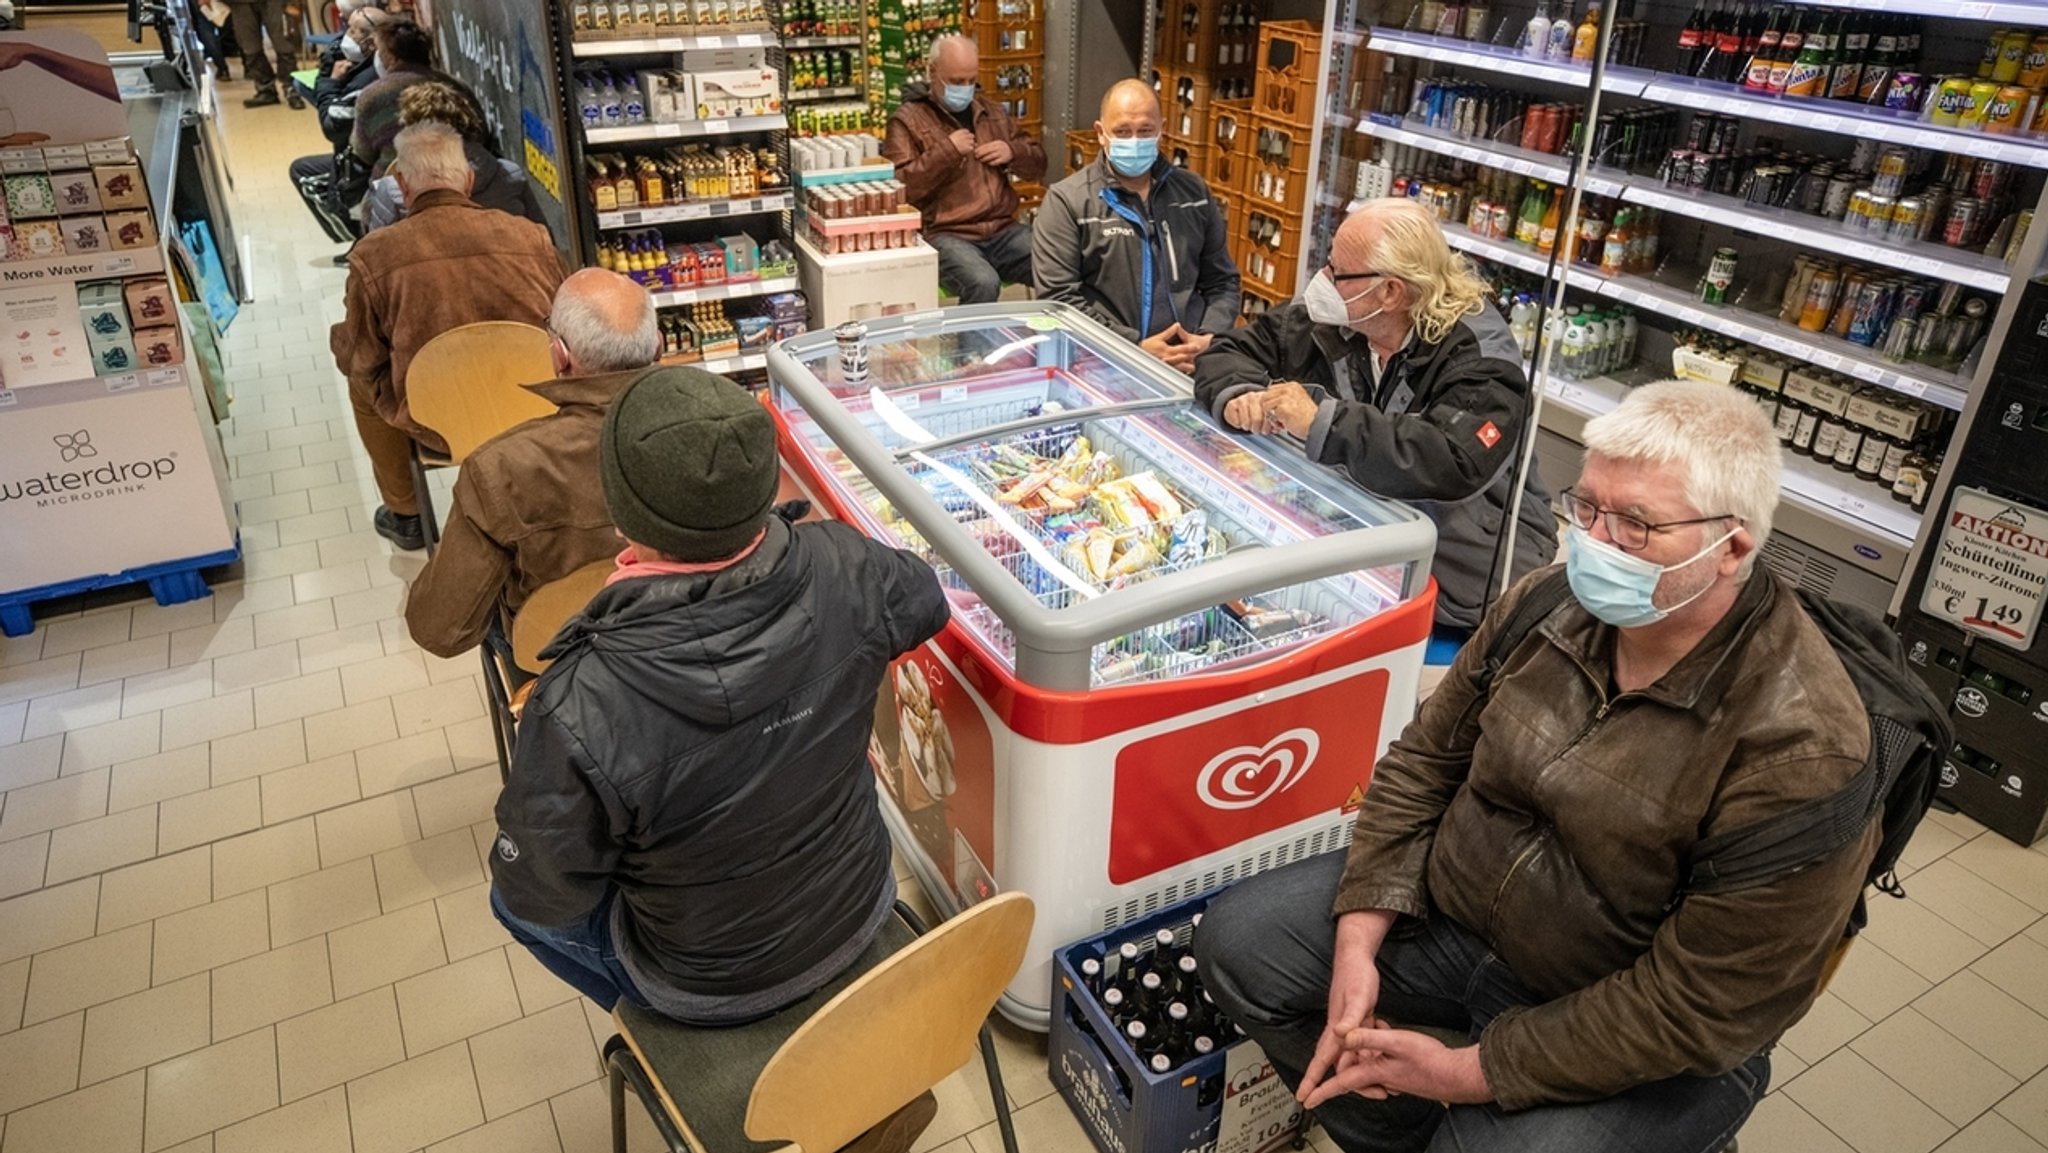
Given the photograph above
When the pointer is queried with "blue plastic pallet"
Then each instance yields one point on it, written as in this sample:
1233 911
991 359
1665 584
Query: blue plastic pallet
173 582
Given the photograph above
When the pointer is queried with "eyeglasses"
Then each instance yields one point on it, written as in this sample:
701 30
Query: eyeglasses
1630 533
1336 275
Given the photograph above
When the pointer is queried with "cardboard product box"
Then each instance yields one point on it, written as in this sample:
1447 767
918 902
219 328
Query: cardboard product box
41 339
8 249
76 191
755 332
57 157
120 187
742 257
103 311
149 301
38 239
30 195
161 346
748 92
112 357
83 234
19 161
1887 412
131 229
115 151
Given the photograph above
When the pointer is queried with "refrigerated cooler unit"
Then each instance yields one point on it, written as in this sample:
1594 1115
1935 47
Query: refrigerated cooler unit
1176 652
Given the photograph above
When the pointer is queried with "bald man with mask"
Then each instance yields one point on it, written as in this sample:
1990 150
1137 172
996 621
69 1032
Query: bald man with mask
1393 367
1136 242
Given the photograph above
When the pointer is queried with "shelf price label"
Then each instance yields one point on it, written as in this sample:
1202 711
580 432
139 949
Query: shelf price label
6 397
126 382
722 208
713 127
1990 568
1825 359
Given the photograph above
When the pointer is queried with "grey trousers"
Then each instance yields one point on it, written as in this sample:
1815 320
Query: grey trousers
252 19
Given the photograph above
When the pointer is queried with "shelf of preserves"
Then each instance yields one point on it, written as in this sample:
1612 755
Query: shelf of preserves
1939 388
1974 269
650 45
840 92
1522 161
1891 126
698 210
1824 489
632 133
731 290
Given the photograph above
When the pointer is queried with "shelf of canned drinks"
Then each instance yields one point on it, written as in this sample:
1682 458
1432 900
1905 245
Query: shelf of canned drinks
678 129
699 210
2010 11
1887 125
1944 389
649 45
732 290
1974 269
1822 488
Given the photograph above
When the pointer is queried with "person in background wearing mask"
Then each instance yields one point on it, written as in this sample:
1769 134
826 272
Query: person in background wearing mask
1393 367
1135 241
956 152
346 69
404 57
1520 870
500 184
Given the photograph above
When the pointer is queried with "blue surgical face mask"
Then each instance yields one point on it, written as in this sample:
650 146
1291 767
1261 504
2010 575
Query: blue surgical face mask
956 97
1621 589
1133 155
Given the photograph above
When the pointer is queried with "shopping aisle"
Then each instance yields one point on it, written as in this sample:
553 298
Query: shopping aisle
242 898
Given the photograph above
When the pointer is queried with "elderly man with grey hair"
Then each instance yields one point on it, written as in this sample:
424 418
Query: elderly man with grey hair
450 262
528 509
1522 871
956 152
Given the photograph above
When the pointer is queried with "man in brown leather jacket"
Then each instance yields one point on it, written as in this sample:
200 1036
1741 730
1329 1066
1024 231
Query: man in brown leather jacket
1518 870
450 262
528 509
955 151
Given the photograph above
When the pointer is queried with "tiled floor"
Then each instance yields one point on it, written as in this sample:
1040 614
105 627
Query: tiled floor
242 898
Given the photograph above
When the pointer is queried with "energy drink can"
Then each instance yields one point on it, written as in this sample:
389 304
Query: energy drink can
1867 315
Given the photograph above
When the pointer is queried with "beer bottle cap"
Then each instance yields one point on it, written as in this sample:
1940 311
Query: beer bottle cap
1177 1011
1161 1062
1187 964
1163 938
1151 982
1135 1030
1113 998
1090 967
1204 1045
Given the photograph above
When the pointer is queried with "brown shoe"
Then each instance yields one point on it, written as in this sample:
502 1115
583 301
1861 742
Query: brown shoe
899 1130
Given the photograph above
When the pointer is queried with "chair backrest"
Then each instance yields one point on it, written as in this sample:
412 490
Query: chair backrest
465 383
549 608
906 1025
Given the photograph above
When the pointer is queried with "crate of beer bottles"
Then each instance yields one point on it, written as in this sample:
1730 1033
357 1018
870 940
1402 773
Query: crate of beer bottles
1184 100
1271 256
1229 164
1277 172
1030 194
1214 38
1290 61
1143 1057
1082 146
1186 154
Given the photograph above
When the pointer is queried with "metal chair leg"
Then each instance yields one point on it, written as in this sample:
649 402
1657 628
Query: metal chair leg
430 527
995 1089
501 711
625 1069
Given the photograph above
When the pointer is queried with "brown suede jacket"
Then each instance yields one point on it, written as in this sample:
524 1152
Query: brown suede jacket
1556 823
958 194
528 510
450 262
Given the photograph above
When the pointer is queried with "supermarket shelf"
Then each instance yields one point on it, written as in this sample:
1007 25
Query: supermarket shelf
1541 165
699 210
1828 491
685 128
1939 388
1944 389
882 170
842 92
1884 124
85 266
723 365
1974 269
2002 11
730 291
1487 58
648 45
822 42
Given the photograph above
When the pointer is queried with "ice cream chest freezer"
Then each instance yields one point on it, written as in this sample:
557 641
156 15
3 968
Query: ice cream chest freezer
1176 652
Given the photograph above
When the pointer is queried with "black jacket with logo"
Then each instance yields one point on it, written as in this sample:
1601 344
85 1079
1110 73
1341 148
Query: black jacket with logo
700 744
1439 432
1088 254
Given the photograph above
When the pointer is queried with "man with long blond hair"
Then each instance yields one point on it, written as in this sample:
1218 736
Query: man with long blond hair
1392 367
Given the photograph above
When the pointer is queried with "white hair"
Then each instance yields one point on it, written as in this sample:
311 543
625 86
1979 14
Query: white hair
1717 438
944 44
596 342
430 155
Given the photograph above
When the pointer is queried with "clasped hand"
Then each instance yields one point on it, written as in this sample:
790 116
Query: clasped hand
1176 347
1359 1053
1283 406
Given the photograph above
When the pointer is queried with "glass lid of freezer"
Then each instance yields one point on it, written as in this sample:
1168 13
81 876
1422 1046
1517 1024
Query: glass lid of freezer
1086 471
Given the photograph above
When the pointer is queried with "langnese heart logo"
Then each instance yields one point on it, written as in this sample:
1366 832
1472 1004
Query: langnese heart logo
1242 777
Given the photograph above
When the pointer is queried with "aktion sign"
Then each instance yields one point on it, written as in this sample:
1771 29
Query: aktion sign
1990 567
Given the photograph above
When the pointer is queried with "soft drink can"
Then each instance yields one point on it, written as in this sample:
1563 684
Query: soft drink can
2012 53
852 338
1907 90
1989 178
2008 113
1909 218
1951 99
1982 93
1965 216
1866 315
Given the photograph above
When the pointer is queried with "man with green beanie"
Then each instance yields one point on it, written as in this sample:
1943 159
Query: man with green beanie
690 820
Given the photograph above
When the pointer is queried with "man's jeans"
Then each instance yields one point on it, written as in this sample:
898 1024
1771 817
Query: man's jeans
1265 947
975 270
581 955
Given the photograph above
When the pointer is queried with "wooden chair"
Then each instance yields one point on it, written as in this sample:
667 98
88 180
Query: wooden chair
820 1073
508 681
465 385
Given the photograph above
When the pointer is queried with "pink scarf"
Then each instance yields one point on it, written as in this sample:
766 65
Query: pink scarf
631 566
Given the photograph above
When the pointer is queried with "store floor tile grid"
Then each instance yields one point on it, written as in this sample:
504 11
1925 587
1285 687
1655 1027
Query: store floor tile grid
242 881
